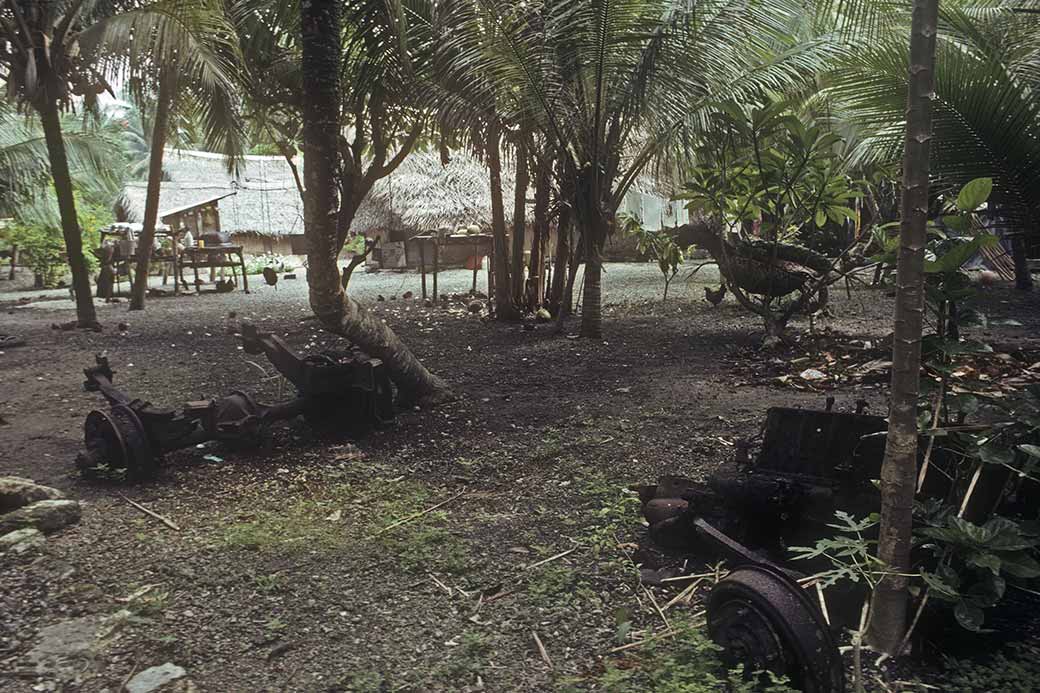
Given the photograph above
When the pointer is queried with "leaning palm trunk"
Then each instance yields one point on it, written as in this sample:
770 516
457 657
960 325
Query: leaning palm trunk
151 203
50 119
899 470
331 304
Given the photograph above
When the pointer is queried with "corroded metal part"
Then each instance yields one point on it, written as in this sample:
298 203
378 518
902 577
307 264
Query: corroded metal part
343 392
764 621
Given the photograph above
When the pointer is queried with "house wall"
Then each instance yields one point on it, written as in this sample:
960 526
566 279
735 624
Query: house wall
255 244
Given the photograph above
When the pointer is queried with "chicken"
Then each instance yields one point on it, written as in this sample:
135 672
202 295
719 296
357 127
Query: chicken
715 296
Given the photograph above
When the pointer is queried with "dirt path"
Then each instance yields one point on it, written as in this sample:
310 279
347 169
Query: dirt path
283 576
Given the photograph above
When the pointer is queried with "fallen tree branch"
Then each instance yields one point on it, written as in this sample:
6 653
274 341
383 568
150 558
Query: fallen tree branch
151 513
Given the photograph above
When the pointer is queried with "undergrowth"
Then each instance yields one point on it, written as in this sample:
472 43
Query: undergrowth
1015 670
686 663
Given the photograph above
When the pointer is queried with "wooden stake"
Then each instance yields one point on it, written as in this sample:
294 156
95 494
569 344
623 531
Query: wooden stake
931 439
151 513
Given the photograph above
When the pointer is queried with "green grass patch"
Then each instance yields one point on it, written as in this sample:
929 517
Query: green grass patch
357 516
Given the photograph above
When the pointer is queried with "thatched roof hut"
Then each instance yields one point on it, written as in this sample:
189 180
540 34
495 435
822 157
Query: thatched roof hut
265 213
421 195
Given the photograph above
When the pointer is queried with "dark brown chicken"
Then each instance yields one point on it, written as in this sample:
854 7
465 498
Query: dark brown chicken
715 296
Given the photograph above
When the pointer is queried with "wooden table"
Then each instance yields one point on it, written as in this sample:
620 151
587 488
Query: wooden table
482 245
213 256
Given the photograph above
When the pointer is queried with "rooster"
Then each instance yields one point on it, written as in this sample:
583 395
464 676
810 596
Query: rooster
715 296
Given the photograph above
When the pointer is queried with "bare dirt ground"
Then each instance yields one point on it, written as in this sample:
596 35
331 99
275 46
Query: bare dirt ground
284 576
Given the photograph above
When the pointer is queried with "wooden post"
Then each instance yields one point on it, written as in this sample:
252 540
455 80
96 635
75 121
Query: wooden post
422 264
242 264
491 272
436 266
174 239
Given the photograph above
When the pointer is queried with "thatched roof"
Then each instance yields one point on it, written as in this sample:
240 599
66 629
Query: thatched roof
266 200
420 196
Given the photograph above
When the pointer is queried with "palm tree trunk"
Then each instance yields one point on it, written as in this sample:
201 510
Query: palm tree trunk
151 201
1019 253
504 309
591 315
899 470
51 121
536 269
561 260
523 180
320 20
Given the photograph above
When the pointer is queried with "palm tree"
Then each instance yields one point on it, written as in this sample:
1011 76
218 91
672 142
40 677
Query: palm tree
26 189
337 172
610 83
987 110
192 70
61 54
971 111
899 470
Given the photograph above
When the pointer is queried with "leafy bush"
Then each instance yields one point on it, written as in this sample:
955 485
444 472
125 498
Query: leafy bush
1015 670
280 263
659 246
41 246
40 249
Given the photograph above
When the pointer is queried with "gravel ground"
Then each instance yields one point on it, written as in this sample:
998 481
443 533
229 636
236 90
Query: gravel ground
285 573
622 283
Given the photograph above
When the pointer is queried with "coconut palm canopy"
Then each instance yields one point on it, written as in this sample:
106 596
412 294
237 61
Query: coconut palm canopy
421 195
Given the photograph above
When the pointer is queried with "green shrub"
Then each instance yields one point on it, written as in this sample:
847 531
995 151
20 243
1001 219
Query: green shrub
41 246
1016 670
280 263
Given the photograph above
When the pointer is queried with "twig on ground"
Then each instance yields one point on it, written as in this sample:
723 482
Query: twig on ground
151 513
686 594
138 593
440 584
500 595
260 368
541 650
550 558
419 514
699 576
660 612
656 636
133 670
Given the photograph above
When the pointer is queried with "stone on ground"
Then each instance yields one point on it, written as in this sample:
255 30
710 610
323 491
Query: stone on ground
155 678
44 515
21 540
16 491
